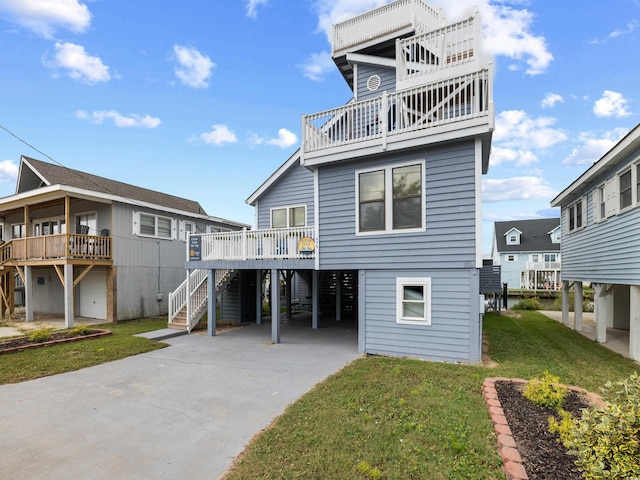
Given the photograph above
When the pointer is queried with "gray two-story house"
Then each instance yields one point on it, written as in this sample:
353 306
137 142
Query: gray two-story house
379 211
601 240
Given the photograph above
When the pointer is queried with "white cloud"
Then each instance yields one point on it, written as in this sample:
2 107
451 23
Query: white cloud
194 69
593 147
521 158
121 121
516 188
612 104
8 171
218 135
631 26
79 65
252 6
515 128
317 66
508 30
285 139
45 16
550 100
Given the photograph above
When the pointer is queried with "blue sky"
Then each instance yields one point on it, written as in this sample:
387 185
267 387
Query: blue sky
204 99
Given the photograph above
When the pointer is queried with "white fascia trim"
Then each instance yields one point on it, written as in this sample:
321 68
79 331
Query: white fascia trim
371 60
33 169
478 170
629 143
274 177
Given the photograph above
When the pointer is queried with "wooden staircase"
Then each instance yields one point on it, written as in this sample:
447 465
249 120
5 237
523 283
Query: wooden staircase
178 317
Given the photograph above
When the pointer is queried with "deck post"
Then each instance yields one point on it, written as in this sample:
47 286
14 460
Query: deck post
28 294
603 311
338 296
577 306
634 322
189 299
68 295
212 299
275 306
565 302
259 297
315 299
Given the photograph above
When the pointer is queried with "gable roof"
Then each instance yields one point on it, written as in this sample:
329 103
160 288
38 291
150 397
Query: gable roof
51 174
619 152
534 235
275 176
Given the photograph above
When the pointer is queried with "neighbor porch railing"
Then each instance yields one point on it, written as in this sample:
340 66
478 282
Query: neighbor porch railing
385 20
275 243
65 245
543 265
437 50
420 108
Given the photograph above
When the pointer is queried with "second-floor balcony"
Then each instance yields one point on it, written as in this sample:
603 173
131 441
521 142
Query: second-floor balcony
293 243
52 248
411 115
543 265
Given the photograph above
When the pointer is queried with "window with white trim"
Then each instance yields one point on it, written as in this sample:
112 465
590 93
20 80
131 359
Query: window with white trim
549 257
638 182
157 226
602 203
186 228
535 257
390 199
413 301
576 215
625 189
512 258
285 217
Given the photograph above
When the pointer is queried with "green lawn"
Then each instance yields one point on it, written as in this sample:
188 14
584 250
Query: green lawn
65 357
382 418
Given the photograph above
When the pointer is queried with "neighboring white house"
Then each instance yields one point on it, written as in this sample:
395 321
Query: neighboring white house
601 240
83 245
380 208
528 252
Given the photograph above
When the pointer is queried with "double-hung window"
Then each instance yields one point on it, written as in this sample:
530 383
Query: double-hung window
575 215
284 217
149 225
625 189
390 199
413 301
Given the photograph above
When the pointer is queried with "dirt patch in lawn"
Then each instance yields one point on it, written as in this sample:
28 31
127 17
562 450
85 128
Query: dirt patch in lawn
17 344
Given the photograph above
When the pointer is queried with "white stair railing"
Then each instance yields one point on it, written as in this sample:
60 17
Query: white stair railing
178 298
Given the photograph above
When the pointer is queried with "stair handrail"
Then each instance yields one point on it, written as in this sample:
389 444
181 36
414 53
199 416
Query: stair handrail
178 298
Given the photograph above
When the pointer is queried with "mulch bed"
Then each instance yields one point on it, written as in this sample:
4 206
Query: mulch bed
543 457
22 343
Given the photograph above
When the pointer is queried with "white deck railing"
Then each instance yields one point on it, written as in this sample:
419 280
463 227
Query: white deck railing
385 20
447 101
275 243
439 49
543 265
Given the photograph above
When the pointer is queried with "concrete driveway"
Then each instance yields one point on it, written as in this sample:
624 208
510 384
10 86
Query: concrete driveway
183 412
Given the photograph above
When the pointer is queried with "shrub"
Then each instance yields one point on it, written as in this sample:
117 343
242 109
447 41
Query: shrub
587 305
528 304
607 439
546 391
42 334
79 331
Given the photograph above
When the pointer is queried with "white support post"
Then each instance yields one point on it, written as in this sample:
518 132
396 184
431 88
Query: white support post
259 297
189 298
315 299
565 302
275 306
244 243
362 323
68 295
634 322
384 125
338 296
578 299
212 300
603 308
28 293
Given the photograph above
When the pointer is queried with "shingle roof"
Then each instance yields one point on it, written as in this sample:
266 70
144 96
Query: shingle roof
534 237
57 175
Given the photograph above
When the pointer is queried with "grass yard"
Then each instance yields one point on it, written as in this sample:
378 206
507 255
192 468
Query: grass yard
382 418
66 357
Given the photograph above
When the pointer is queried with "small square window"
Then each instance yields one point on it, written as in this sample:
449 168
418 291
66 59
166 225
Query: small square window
413 301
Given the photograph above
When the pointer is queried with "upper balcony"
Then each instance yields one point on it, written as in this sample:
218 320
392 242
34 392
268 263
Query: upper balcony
295 243
53 249
455 106
543 265
390 21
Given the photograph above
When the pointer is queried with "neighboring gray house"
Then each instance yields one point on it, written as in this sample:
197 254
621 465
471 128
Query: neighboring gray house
528 252
380 208
83 245
601 240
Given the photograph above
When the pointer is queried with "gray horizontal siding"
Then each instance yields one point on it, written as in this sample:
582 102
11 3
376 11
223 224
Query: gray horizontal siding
450 237
295 187
454 330
387 80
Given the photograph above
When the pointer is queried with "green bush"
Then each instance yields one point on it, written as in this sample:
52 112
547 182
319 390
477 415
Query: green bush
546 391
39 335
587 305
528 304
79 330
607 439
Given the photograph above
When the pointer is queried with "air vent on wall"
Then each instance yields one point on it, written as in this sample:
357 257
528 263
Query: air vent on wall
373 83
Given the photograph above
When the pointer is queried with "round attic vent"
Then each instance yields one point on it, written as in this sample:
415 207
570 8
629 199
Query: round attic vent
373 83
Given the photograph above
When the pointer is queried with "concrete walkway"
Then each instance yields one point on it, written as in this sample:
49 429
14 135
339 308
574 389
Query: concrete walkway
182 412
